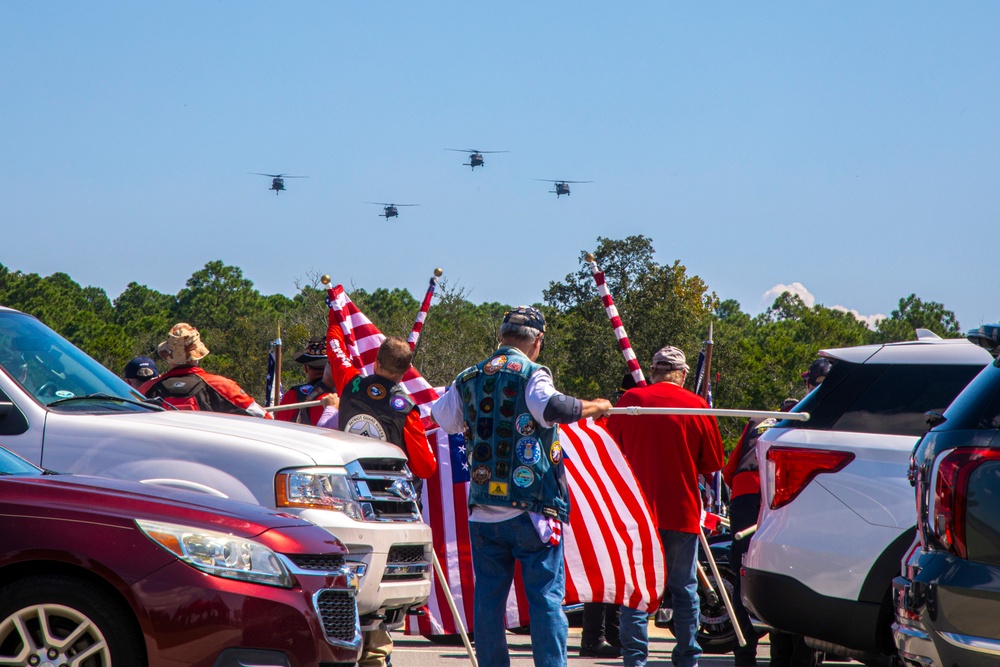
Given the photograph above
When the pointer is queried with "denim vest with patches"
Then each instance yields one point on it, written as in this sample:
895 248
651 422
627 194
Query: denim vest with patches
513 461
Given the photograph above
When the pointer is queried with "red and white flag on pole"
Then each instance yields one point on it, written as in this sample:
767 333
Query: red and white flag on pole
616 322
418 324
612 550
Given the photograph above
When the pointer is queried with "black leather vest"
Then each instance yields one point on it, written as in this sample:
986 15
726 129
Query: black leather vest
376 408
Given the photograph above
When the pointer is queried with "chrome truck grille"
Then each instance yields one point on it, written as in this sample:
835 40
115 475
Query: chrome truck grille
385 489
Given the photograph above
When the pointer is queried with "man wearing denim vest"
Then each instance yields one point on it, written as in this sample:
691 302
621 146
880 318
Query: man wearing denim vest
518 496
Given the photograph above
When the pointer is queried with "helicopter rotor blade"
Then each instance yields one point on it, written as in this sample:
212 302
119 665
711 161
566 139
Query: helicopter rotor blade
263 174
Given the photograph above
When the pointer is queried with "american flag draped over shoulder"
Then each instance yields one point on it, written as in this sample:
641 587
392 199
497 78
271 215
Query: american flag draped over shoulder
612 551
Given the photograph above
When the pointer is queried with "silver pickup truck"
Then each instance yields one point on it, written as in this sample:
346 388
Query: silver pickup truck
63 411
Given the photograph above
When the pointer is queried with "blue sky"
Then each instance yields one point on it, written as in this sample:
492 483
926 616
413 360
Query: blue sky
848 147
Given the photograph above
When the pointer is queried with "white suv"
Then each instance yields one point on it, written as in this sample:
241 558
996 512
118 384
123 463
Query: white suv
837 510
63 411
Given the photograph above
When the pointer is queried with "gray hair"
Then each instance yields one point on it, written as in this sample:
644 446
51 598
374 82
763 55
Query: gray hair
518 332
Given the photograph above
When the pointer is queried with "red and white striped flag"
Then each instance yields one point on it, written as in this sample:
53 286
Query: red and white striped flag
418 324
612 550
616 322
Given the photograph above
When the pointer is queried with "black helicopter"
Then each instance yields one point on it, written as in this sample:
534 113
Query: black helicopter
277 180
389 210
562 187
475 156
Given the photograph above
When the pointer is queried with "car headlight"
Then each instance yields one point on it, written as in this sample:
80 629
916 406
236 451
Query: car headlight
323 488
219 554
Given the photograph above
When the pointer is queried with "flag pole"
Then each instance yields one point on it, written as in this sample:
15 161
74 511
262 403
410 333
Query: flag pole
616 321
293 406
276 389
418 324
705 380
636 410
454 608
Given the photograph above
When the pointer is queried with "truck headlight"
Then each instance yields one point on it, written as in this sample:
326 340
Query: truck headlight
219 554
322 488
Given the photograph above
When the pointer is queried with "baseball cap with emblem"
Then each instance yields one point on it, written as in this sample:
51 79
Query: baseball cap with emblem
818 370
670 358
315 353
141 368
525 316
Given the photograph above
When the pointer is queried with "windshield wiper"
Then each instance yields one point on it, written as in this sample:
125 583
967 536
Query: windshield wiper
104 397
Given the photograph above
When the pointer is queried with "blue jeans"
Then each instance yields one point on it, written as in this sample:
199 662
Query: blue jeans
495 548
681 555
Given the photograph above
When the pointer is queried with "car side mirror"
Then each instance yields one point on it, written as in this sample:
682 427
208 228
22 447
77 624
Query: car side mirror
934 418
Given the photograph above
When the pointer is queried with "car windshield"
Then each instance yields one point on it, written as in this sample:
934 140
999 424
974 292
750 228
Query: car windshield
12 464
51 369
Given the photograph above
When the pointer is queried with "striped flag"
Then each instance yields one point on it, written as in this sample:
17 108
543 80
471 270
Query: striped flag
612 550
418 324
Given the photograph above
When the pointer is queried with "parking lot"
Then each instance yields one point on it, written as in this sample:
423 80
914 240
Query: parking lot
419 652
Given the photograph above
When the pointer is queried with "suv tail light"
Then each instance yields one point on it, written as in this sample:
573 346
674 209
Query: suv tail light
795 467
951 484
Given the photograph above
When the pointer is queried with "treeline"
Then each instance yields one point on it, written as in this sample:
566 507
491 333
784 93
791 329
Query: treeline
758 359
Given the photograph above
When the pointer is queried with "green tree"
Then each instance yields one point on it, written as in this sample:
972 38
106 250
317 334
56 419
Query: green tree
912 314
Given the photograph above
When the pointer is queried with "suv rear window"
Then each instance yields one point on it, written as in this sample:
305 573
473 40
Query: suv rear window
882 398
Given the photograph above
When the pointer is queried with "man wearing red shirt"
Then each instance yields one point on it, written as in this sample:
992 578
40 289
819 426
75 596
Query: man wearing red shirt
667 453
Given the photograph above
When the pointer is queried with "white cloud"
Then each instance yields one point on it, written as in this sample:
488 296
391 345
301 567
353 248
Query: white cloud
798 289
870 320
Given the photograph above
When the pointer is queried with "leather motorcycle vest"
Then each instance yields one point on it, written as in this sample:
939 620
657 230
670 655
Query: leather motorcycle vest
305 393
513 461
376 408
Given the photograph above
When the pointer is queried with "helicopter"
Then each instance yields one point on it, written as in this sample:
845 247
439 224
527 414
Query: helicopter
390 210
562 187
277 180
475 156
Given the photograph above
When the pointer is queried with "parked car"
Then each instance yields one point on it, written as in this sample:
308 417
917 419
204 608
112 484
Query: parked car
63 411
947 602
97 572
837 510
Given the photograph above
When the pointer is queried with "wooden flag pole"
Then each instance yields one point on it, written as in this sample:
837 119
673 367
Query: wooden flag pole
276 389
454 609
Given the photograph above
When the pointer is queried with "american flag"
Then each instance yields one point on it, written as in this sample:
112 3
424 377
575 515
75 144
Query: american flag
612 551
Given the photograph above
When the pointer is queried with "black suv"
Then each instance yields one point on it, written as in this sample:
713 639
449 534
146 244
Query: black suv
947 602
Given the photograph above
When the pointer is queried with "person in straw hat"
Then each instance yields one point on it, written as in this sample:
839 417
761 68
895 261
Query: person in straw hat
187 387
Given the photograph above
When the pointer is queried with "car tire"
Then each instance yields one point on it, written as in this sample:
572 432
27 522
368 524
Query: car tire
68 606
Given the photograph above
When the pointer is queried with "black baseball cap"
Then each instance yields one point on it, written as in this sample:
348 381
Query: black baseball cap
818 370
141 368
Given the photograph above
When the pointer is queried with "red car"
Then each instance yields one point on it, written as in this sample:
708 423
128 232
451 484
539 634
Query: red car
97 572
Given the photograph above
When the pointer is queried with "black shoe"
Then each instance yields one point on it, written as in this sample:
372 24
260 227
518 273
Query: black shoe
602 650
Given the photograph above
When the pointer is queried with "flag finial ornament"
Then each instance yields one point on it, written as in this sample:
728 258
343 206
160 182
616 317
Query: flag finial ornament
325 279
589 257
438 272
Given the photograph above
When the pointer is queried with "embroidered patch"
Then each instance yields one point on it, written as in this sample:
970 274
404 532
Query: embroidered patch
528 451
489 385
514 366
376 391
525 424
495 364
498 488
556 453
507 408
505 429
503 449
356 385
306 388
510 390
503 469
482 452
398 403
481 474
484 427
365 425
523 477
486 405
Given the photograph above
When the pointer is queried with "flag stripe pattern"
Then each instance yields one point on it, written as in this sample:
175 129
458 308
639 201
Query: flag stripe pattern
418 324
616 322
613 553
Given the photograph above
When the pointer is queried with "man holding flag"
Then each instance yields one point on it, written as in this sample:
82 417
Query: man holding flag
667 453
509 409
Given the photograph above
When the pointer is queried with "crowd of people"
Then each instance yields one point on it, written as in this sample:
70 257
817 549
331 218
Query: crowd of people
518 493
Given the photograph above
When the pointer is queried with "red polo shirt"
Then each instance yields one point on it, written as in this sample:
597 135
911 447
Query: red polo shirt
667 452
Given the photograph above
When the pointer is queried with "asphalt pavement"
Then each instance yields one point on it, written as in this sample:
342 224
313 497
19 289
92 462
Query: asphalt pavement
420 652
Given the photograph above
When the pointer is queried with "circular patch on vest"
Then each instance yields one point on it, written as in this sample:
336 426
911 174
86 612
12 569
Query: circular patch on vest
367 426
523 477
481 474
482 452
528 451
376 391
556 453
398 403
495 364
525 424
486 405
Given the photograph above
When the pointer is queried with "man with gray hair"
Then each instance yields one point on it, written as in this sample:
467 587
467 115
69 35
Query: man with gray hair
667 453
509 410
